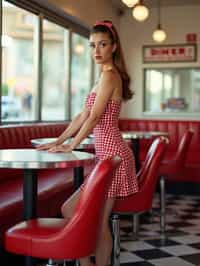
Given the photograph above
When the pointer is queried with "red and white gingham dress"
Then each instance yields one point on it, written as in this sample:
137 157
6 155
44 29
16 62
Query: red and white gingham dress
108 142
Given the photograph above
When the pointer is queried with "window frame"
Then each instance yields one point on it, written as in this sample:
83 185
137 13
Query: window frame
60 18
169 113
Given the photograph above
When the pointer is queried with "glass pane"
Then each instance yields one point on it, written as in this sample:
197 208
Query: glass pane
18 83
154 90
81 69
195 80
54 96
172 90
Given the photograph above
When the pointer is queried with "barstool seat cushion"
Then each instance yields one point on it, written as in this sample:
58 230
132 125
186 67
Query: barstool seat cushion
34 237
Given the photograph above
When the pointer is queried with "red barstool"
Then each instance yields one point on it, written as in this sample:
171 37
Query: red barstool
142 200
170 171
59 239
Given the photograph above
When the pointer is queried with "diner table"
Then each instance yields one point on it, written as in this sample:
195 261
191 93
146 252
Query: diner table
86 144
30 160
135 137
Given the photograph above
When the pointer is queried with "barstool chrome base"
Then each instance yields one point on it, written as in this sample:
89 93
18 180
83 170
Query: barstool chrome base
135 229
51 263
115 258
58 262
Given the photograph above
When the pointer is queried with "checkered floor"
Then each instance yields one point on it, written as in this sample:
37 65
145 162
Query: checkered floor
181 247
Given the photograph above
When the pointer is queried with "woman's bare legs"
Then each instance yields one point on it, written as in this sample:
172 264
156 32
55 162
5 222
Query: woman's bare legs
67 210
104 243
69 205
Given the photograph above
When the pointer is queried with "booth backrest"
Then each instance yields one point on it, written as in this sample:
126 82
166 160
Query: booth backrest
175 128
19 136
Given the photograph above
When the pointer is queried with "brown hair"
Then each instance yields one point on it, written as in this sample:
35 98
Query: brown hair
118 57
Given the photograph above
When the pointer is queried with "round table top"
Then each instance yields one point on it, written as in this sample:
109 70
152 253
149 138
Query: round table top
143 134
34 159
87 143
139 134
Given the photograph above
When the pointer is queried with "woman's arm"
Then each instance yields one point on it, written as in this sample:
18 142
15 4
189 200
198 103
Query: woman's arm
72 128
105 91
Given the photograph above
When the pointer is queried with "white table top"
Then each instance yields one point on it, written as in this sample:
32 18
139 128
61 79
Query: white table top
139 134
87 143
142 134
34 159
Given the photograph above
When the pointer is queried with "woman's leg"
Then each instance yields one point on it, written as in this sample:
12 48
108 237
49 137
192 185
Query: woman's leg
104 243
69 205
67 210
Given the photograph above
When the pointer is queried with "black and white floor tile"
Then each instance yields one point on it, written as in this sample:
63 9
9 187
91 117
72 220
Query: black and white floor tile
180 247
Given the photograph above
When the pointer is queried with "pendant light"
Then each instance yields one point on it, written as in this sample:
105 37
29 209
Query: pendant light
159 35
140 11
130 3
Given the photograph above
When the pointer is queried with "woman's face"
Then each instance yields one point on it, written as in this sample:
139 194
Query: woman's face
102 47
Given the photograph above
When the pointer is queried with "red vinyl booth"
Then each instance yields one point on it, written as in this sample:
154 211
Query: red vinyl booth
176 129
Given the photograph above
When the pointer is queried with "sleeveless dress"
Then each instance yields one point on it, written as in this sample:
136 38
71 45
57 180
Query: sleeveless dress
108 142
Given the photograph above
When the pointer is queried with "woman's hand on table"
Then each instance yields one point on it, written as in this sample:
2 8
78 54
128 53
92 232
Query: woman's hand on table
61 148
47 146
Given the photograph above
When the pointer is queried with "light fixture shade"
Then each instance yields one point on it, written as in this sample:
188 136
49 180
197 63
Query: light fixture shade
130 3
159 35
140 12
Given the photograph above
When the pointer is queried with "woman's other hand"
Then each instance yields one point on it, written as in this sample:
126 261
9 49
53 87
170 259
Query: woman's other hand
61 148
47 146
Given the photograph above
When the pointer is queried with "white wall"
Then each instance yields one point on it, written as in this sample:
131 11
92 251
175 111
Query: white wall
177 21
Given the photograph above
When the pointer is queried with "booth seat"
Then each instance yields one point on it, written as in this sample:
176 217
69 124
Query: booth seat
175 129
54 185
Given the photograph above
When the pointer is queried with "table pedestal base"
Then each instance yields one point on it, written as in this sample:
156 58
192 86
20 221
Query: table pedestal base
30 202
78 177
135 148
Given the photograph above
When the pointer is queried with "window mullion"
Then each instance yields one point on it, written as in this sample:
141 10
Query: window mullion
38 66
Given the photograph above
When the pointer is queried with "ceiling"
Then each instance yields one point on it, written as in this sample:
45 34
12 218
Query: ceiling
153 3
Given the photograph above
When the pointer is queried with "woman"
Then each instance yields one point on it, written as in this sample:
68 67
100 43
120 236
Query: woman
100 115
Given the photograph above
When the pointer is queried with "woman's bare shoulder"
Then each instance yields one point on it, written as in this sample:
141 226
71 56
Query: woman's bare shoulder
110 74
111 80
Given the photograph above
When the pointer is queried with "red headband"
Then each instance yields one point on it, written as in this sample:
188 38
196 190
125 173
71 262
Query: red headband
106 24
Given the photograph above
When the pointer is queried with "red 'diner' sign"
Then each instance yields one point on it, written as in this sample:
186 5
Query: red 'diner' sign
169 53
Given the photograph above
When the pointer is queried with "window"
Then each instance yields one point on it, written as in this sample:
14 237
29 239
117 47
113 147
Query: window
54 75
36 88
18 83
172 90
81 70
